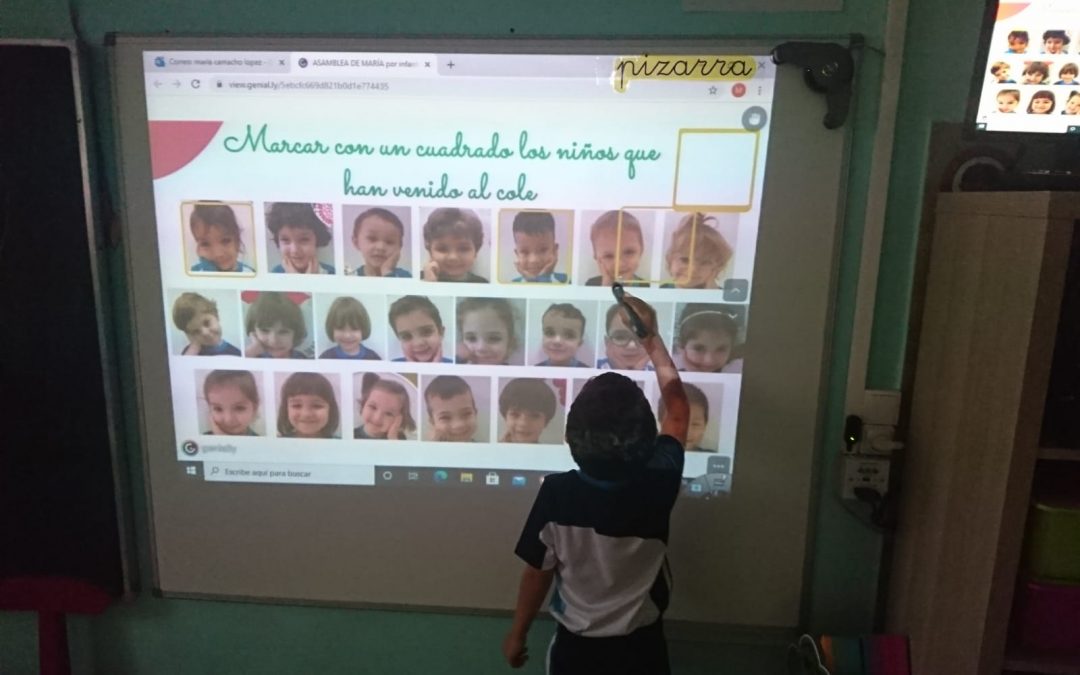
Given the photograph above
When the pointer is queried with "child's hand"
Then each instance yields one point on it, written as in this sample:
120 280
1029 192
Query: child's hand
431 271
514 650
644 311
437 436
255 347
395 428
606 277
390 264
312 266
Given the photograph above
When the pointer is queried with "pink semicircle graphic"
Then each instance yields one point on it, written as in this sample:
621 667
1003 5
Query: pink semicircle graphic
174 144
1008 10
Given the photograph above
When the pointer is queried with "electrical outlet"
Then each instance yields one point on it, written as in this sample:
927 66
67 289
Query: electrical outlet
869 472
881 435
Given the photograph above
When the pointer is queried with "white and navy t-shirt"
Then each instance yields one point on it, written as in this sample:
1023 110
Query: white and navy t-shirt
607 542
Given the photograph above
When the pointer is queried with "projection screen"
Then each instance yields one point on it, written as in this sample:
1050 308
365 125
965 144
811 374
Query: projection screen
368 278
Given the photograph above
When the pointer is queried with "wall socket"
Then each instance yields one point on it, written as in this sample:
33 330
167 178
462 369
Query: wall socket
868 472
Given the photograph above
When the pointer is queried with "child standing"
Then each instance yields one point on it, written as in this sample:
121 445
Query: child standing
451 409
563 327
536 253
416 322
308 407
348 325
197 317
452 238
706 339
275 326
378 235
527 406
299 234
233 401
384 409
697 235
608 520
617 249
217 239
486 331
699 418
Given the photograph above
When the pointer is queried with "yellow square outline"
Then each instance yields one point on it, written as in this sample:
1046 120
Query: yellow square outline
220 275
715 208
497 239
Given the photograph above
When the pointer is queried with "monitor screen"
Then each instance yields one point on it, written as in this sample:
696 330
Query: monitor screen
395 268
1031 74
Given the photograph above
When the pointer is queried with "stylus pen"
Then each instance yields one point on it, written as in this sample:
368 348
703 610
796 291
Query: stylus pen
635 321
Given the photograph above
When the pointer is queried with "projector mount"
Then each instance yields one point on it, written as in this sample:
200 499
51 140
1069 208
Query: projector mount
828 68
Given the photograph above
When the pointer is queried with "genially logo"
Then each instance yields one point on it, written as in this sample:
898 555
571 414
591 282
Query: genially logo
681 67
159 61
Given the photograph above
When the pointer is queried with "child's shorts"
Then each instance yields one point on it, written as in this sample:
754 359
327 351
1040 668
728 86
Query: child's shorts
643 652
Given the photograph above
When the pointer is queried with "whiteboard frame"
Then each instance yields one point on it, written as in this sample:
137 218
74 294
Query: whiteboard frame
776 489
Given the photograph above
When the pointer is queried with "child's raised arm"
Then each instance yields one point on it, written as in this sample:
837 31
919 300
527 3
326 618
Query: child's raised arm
677 420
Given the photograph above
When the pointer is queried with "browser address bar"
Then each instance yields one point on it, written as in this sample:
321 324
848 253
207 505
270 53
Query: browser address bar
234 84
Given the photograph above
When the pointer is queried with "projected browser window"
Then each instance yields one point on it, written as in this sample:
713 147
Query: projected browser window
389 268
1033 70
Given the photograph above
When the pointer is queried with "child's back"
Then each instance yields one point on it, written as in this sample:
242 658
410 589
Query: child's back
600 532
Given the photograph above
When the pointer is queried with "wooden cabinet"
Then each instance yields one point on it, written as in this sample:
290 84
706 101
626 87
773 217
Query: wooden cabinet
994 290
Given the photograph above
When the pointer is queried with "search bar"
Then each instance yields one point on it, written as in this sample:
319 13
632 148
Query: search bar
299 474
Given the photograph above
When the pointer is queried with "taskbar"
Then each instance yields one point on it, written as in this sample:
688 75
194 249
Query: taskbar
716 482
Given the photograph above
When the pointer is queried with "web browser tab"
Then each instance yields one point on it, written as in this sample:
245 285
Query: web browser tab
216 62
391 64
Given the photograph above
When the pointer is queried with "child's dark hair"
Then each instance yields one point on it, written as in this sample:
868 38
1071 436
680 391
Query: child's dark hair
611 429
527 394
534 222
379 212
1059 34
346 312
454 222
1019 35
300 215
241 379
698 317
1069 69
503 310
609 220
996 68
694 396
370 382
1039 67
407 304
1046 94
271 307
568 311
307 384
446 386
216 214
187 306
612 312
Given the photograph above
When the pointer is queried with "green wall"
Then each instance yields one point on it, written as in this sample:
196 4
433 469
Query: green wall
171 636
